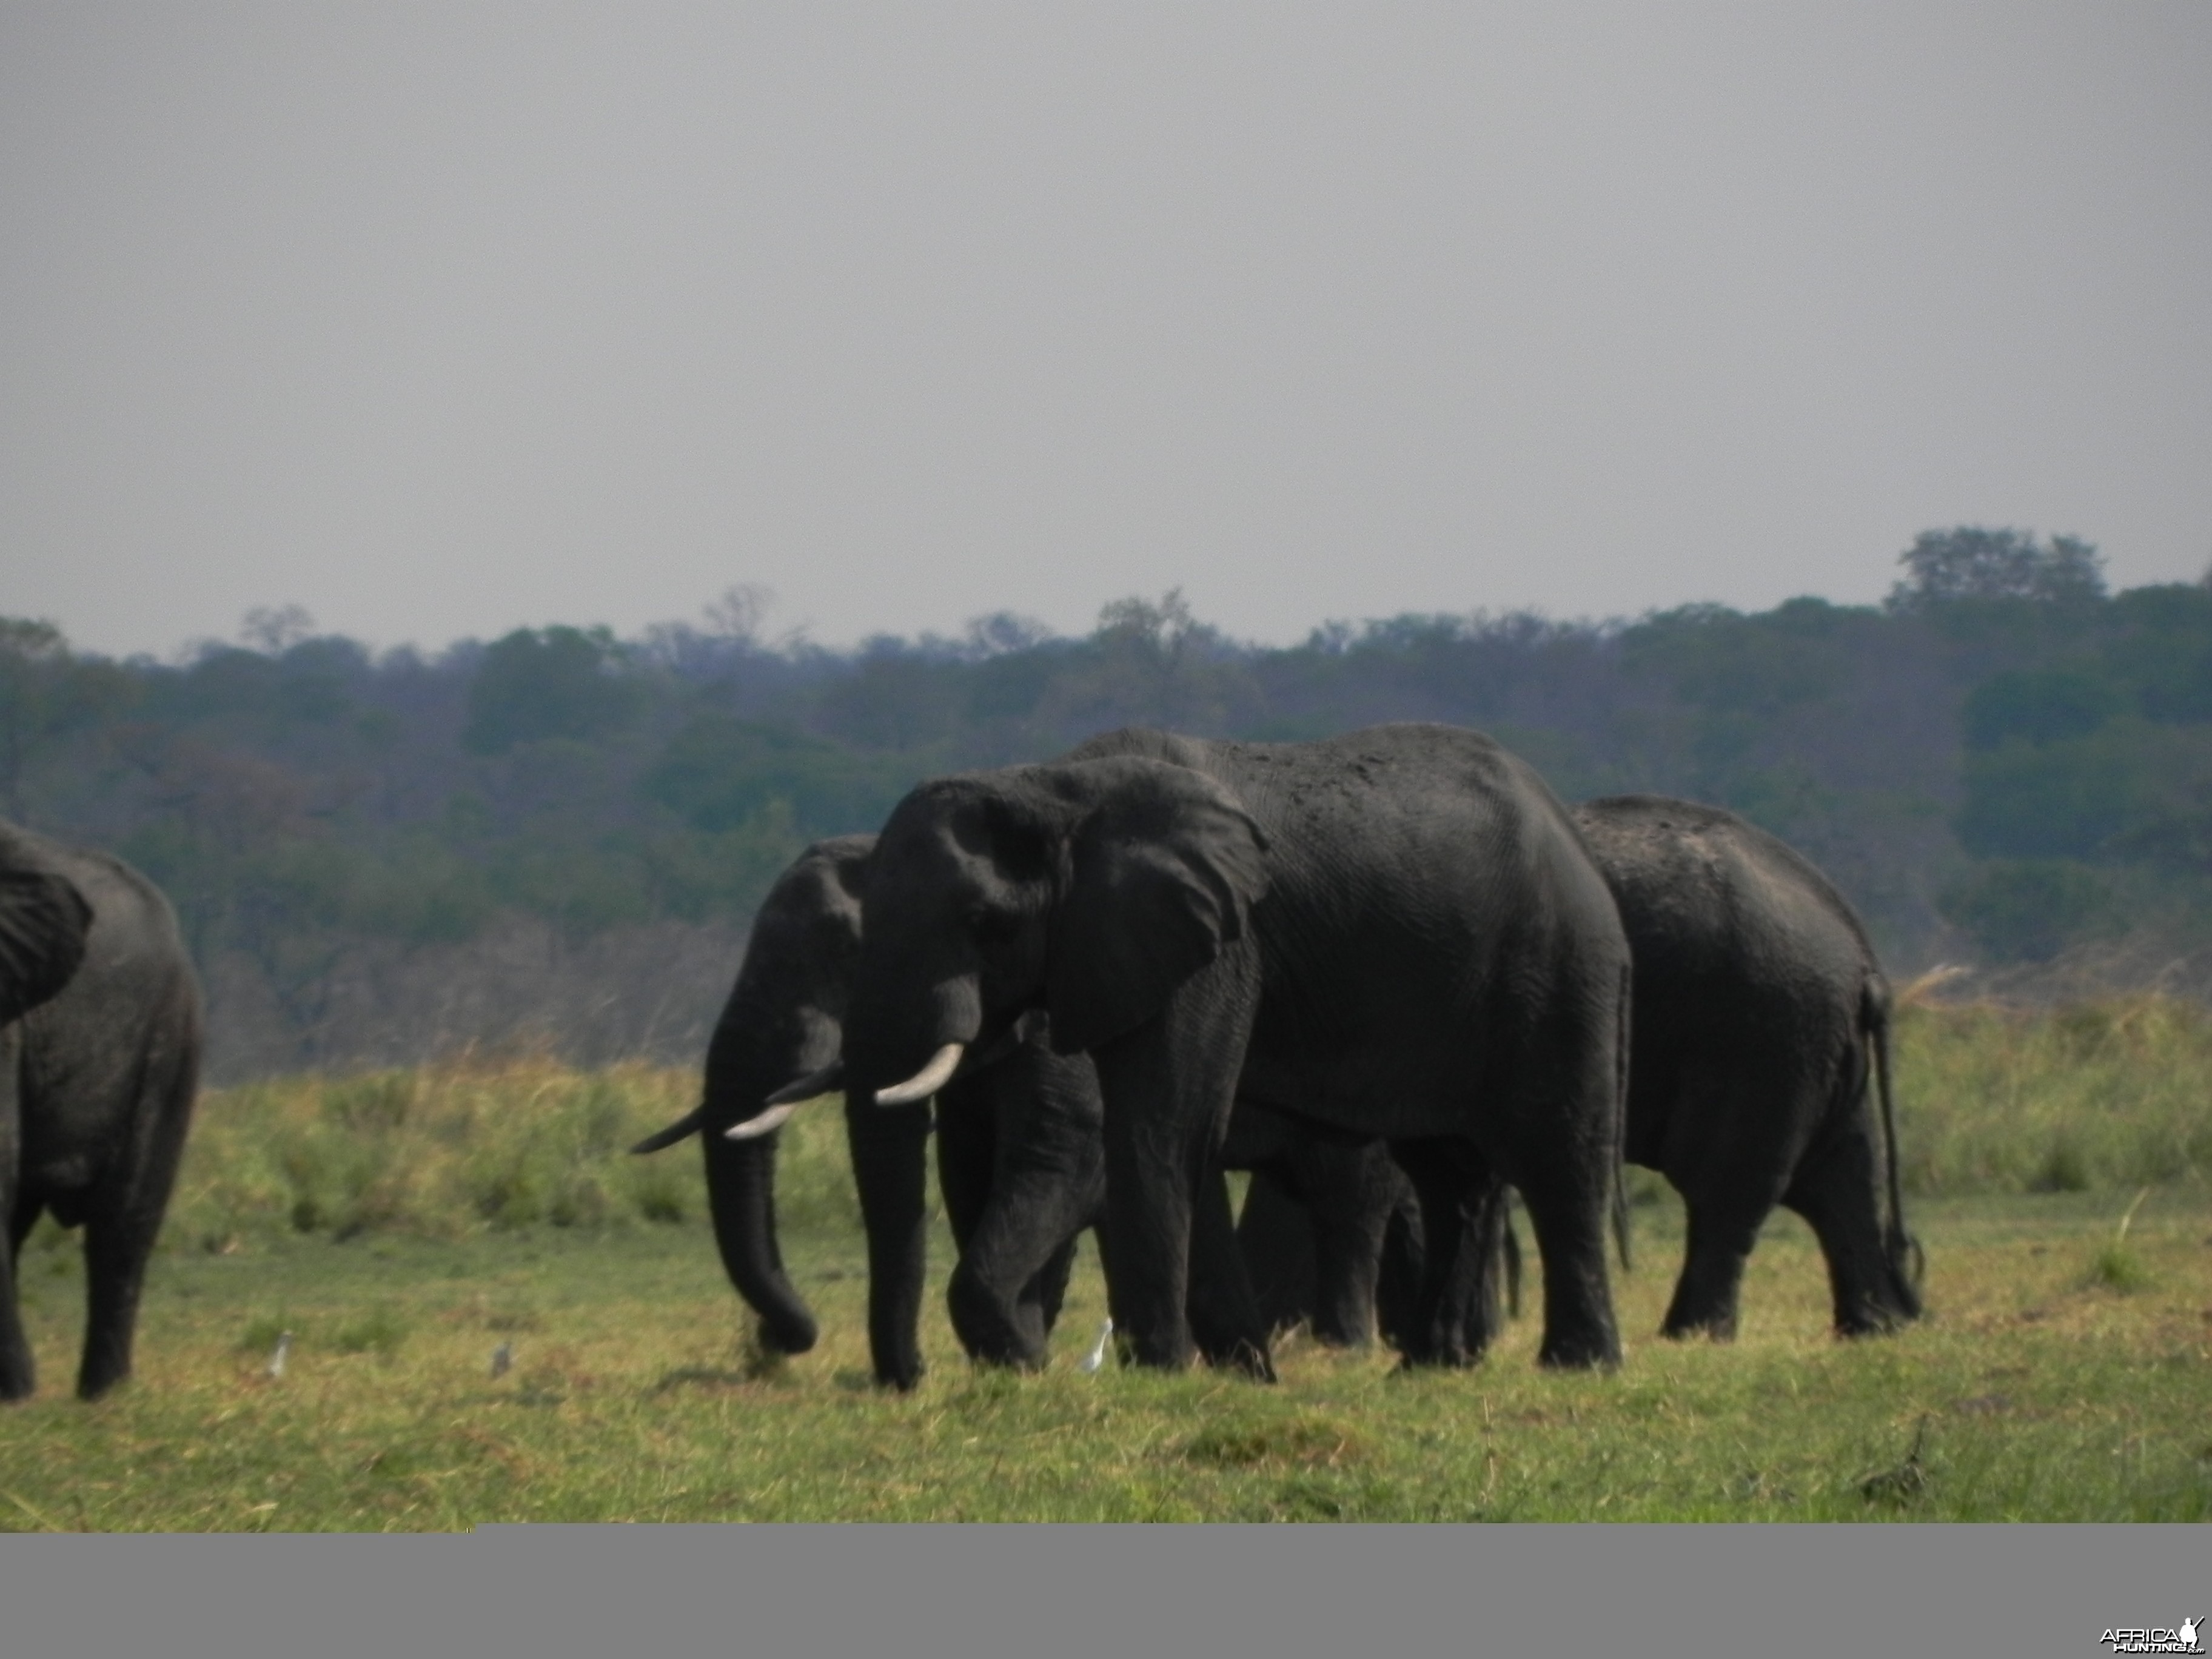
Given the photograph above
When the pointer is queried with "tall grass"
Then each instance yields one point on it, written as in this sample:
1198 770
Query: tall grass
531 1324
464 1147
2097 1095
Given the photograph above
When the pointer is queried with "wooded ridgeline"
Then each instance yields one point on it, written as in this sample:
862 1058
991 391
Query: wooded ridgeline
558 837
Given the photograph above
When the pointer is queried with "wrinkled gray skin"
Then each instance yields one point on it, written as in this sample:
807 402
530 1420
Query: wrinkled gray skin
1021 1153
1020 1157
1394 934
1761 1019
1759 1071
96 1089
1284 1234
1330 1234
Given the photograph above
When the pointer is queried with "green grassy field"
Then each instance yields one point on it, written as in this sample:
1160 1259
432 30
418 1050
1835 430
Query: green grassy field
403 1227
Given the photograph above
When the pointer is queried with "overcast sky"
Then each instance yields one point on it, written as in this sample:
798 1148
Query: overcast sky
440 319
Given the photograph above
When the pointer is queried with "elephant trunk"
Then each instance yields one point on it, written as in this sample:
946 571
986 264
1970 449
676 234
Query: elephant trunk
741 1192
757 1046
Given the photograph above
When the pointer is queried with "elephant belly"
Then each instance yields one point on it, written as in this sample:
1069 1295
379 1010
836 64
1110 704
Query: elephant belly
1365 1092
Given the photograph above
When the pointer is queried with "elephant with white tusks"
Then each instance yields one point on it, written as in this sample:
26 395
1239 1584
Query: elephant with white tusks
1021 1151
1394 934
99 1065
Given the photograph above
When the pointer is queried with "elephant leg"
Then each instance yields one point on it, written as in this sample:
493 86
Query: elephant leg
1047 1292
1398 1276
1169 1085
125 1219
1355 1191
1567 1185
1837 1189
1224 1317
1706 1294
19 1374
1731 1176
889 1150
1046 1182
1451 1178
116 1245
1475 1292
967 1149
1275 1234
999 1289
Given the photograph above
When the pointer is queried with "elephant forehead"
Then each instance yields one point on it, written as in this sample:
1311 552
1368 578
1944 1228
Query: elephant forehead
935 873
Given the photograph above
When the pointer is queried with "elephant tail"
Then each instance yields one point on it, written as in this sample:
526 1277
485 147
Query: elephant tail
1875 1010
683 1129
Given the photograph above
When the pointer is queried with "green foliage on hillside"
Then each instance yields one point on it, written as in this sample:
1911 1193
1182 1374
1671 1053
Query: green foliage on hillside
2003 762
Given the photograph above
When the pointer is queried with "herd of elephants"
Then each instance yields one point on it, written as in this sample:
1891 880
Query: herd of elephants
1388 973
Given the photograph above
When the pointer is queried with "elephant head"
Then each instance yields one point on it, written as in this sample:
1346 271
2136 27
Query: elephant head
43 922
1091 889
781 1025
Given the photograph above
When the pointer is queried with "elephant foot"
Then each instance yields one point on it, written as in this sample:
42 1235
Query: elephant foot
1158 1353
19 1378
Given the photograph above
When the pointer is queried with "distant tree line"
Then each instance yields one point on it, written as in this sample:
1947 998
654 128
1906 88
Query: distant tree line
2003 759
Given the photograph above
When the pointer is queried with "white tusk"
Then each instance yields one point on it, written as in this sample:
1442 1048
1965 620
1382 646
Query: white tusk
926 1081
788 1099
769 1120
827 1081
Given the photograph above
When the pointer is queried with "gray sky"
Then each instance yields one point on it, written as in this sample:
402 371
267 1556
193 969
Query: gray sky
439 319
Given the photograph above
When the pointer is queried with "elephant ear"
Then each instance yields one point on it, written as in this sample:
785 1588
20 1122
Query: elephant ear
1162 876
44 920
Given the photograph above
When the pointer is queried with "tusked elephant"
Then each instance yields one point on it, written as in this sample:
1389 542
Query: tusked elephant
96 1086
1394 934
1020 1126
1021 1151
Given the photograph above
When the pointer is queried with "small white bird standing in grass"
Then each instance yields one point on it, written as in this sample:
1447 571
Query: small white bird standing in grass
1097 1357
284 1348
